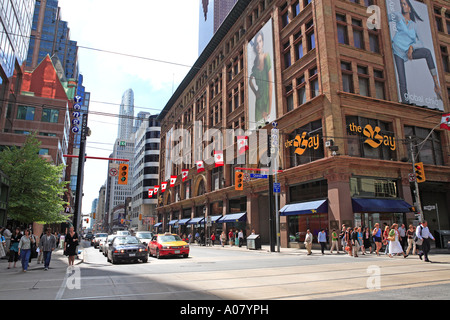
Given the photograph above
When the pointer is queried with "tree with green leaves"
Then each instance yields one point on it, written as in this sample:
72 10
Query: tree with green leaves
36 185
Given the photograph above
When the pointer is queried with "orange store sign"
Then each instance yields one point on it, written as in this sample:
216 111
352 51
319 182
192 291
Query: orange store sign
301 143
374 136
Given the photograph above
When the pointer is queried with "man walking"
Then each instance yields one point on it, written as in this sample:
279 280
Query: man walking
422 232
47 245
402 233
322 239
334 241
308 241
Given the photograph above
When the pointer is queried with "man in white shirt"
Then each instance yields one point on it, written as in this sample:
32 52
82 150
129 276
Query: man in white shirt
422 232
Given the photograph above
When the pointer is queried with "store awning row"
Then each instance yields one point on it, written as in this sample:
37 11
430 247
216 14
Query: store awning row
195 220
183 222
172 222
380 205
311 207
234 217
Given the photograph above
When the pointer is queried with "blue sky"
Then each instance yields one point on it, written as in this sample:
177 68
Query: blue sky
145 28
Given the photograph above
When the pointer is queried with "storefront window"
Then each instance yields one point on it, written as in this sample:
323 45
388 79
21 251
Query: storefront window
308 191
431 150
305 144
373 187
370 138
299 224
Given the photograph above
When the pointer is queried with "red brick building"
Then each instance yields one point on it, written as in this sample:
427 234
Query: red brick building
337 90
42 106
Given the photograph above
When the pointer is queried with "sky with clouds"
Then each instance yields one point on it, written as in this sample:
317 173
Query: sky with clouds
151 29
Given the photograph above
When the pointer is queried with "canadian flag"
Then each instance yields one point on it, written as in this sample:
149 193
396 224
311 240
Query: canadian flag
163 186
218 158
200 166
150 193
173 179
445 121
155 189
184 174
242 144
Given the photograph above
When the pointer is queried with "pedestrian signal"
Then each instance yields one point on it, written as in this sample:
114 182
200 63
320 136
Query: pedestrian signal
420 172
123 174
239 181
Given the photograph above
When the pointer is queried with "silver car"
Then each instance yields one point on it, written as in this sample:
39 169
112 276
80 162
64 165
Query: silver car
106 243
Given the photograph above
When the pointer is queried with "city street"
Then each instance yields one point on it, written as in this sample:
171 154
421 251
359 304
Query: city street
230 273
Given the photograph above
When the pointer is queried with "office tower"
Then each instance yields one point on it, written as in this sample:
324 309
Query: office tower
126 115
212 14
51 35
145 174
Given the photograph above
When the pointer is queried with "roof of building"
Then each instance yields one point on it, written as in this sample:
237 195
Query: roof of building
227 24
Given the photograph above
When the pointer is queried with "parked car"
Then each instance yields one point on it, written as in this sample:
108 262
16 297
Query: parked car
127 248
106 243
89 237
98 237
144 236
168 244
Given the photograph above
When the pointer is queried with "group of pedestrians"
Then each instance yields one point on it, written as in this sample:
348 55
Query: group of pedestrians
396 240
24 246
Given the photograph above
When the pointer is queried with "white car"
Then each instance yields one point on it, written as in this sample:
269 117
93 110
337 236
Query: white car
99 237
144 236
122 233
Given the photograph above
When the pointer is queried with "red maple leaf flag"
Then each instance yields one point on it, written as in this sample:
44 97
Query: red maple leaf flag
163 186
445 121
242 144
173 179
155 190
184 174
150 193
200 166
218 158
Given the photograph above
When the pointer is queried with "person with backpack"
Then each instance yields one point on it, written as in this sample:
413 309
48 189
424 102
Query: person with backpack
423 234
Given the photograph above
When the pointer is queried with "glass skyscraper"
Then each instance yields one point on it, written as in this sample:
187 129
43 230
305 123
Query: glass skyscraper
54 38
15 28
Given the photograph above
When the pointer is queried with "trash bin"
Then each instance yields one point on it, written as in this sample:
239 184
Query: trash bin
442 238
254 242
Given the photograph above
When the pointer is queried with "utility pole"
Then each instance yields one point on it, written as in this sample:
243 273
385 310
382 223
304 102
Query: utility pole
416 184
271 226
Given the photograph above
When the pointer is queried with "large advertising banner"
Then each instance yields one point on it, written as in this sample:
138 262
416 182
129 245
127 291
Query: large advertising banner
414 56
261 77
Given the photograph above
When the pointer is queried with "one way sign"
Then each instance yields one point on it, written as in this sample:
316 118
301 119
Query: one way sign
67 210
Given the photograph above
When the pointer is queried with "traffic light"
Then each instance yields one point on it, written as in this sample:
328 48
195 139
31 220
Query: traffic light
123 174
87 220
420 172
239 181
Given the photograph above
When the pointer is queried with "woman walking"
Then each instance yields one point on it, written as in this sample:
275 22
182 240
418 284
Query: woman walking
25 249
411 243
70 245
395 246
360 241
385 239
376 233
366 240
14 247
348 241
223 238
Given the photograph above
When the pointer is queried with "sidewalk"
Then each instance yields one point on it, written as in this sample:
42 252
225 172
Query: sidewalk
59 260
296 251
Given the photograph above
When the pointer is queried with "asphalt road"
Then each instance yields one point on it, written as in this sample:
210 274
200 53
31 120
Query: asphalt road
232 274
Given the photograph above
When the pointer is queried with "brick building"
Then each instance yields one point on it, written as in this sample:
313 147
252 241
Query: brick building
345 129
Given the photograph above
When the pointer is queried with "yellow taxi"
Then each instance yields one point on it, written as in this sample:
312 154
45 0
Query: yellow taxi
168 244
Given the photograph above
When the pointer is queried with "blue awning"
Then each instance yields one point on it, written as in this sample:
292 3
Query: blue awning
158 224
310 207
213 219
234 217
182 222
196 220
172 222
380 205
